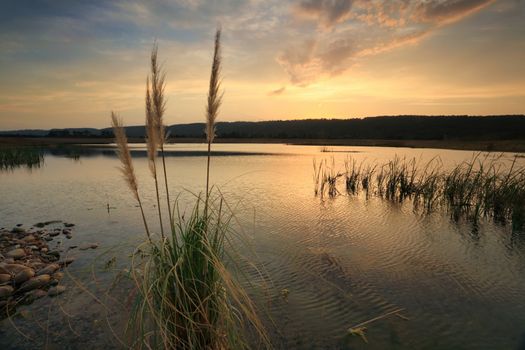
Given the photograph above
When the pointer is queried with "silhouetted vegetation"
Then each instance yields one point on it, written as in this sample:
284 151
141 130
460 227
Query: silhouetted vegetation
474 189
11 158
504 127
385 128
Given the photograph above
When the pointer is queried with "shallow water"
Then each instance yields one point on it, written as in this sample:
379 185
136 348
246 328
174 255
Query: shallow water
344 260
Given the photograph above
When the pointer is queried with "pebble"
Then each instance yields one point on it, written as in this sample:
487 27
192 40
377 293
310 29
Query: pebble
87 246
29 269
28 238
6 291
16 253
58 276
34 283
24 275
66 261
4 277
36 294
11 269
55 253
54 291
48 270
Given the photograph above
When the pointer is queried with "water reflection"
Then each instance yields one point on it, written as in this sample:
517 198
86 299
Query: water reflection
342 261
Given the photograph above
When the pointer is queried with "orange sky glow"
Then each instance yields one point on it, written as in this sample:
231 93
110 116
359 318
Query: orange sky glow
68 63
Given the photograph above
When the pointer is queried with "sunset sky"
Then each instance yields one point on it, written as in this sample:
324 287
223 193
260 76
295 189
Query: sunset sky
67 63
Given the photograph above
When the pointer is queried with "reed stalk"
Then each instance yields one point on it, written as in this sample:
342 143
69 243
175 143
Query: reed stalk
158 85
477 188
126 168
152 142
186 298
212 108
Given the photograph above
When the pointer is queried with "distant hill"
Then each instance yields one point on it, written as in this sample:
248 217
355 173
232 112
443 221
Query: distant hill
383 127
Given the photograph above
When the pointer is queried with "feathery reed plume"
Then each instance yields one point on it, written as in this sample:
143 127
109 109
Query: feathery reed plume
158 108
152 142
214 102
157 93
127 169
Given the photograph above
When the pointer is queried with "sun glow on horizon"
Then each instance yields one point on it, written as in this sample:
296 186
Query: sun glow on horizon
69 65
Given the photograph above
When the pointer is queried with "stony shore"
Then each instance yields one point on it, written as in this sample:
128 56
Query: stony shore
32 262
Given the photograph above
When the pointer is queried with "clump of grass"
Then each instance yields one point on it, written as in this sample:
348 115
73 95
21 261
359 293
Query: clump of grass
317 176
352 175
366 178
12 158
186 297
326 179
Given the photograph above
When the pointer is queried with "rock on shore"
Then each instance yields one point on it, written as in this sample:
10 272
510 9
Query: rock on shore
29 268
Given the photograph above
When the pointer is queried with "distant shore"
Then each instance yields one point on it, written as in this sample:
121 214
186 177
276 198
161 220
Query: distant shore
474 145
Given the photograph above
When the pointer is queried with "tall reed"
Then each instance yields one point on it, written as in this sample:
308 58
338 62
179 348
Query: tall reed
158 104
127 170
212 108
186 298
152 142
477 188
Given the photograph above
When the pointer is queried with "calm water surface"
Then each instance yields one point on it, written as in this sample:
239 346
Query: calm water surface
343 261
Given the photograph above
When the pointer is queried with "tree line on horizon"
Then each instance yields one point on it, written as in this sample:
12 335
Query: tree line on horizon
503 127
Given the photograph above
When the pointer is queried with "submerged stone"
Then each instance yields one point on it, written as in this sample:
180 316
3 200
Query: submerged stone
36 294
54 291
48 270
24 275
87 246
66 261
34 283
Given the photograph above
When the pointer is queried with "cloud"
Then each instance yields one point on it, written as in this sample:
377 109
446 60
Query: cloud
328 12
360 28
447 11
277 92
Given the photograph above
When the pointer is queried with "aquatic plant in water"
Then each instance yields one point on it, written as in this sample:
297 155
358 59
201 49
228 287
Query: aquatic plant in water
186 296
477 188
12 158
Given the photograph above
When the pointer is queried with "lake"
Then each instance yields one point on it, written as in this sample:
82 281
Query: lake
341 261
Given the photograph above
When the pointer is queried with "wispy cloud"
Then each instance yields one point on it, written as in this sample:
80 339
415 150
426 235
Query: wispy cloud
277 92
346 30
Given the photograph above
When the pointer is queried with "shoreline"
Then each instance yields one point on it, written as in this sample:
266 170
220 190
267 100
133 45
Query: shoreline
517 146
